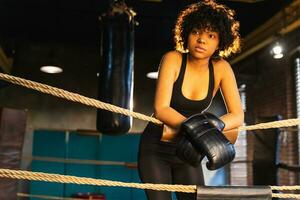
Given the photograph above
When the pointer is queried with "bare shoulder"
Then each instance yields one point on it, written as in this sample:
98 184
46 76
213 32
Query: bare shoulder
174 54
173 57
172 61
221 66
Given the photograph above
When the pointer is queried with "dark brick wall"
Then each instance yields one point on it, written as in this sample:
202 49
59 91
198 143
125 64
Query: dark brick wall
271 91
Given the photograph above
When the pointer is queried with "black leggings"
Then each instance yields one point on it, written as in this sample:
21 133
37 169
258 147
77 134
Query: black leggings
158 163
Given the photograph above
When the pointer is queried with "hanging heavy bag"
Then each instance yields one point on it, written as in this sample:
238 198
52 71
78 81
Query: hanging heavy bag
116 74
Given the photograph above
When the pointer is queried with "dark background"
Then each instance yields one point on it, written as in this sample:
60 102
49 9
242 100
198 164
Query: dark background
77 21
35 32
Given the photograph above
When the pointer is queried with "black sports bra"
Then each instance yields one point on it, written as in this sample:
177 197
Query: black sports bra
185 106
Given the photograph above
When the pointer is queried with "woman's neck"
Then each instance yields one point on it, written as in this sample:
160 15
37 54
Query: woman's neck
198 63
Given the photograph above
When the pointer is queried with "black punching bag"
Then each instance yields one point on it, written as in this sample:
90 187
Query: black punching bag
116 74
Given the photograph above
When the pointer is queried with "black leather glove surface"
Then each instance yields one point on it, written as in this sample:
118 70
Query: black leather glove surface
204 132
187 152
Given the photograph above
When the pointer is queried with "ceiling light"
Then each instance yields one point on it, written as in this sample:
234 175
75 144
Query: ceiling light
51 69
278 56
277 51
152 75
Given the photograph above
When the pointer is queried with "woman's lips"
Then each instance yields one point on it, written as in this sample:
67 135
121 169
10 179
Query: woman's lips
200 49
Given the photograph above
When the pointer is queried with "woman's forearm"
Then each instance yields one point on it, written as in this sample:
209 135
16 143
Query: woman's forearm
232 120
169 116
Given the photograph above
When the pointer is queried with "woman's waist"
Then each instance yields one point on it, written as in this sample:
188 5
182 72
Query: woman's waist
154 134
158 146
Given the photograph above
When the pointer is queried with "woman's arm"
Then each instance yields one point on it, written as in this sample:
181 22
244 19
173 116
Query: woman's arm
235 116
167 74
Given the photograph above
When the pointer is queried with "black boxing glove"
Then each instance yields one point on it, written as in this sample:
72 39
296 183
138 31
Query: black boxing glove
218 150
214 120
187 152
201 130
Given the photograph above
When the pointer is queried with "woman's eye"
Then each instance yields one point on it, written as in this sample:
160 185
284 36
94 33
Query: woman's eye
213 36
195 32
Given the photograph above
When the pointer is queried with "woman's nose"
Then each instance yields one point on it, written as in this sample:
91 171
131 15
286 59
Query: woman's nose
201 40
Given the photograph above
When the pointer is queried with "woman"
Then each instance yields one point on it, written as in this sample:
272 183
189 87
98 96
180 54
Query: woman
189 77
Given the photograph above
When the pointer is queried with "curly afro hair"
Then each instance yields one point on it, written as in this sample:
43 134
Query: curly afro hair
208 15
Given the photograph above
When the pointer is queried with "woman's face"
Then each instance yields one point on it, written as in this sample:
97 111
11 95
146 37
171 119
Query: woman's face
202 43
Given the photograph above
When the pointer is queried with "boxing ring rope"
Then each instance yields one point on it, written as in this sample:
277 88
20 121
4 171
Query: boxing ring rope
39 176
106 106
74 97
49 177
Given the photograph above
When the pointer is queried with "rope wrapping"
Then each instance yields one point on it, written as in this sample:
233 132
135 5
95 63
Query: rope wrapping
109 107
285 187
286 196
